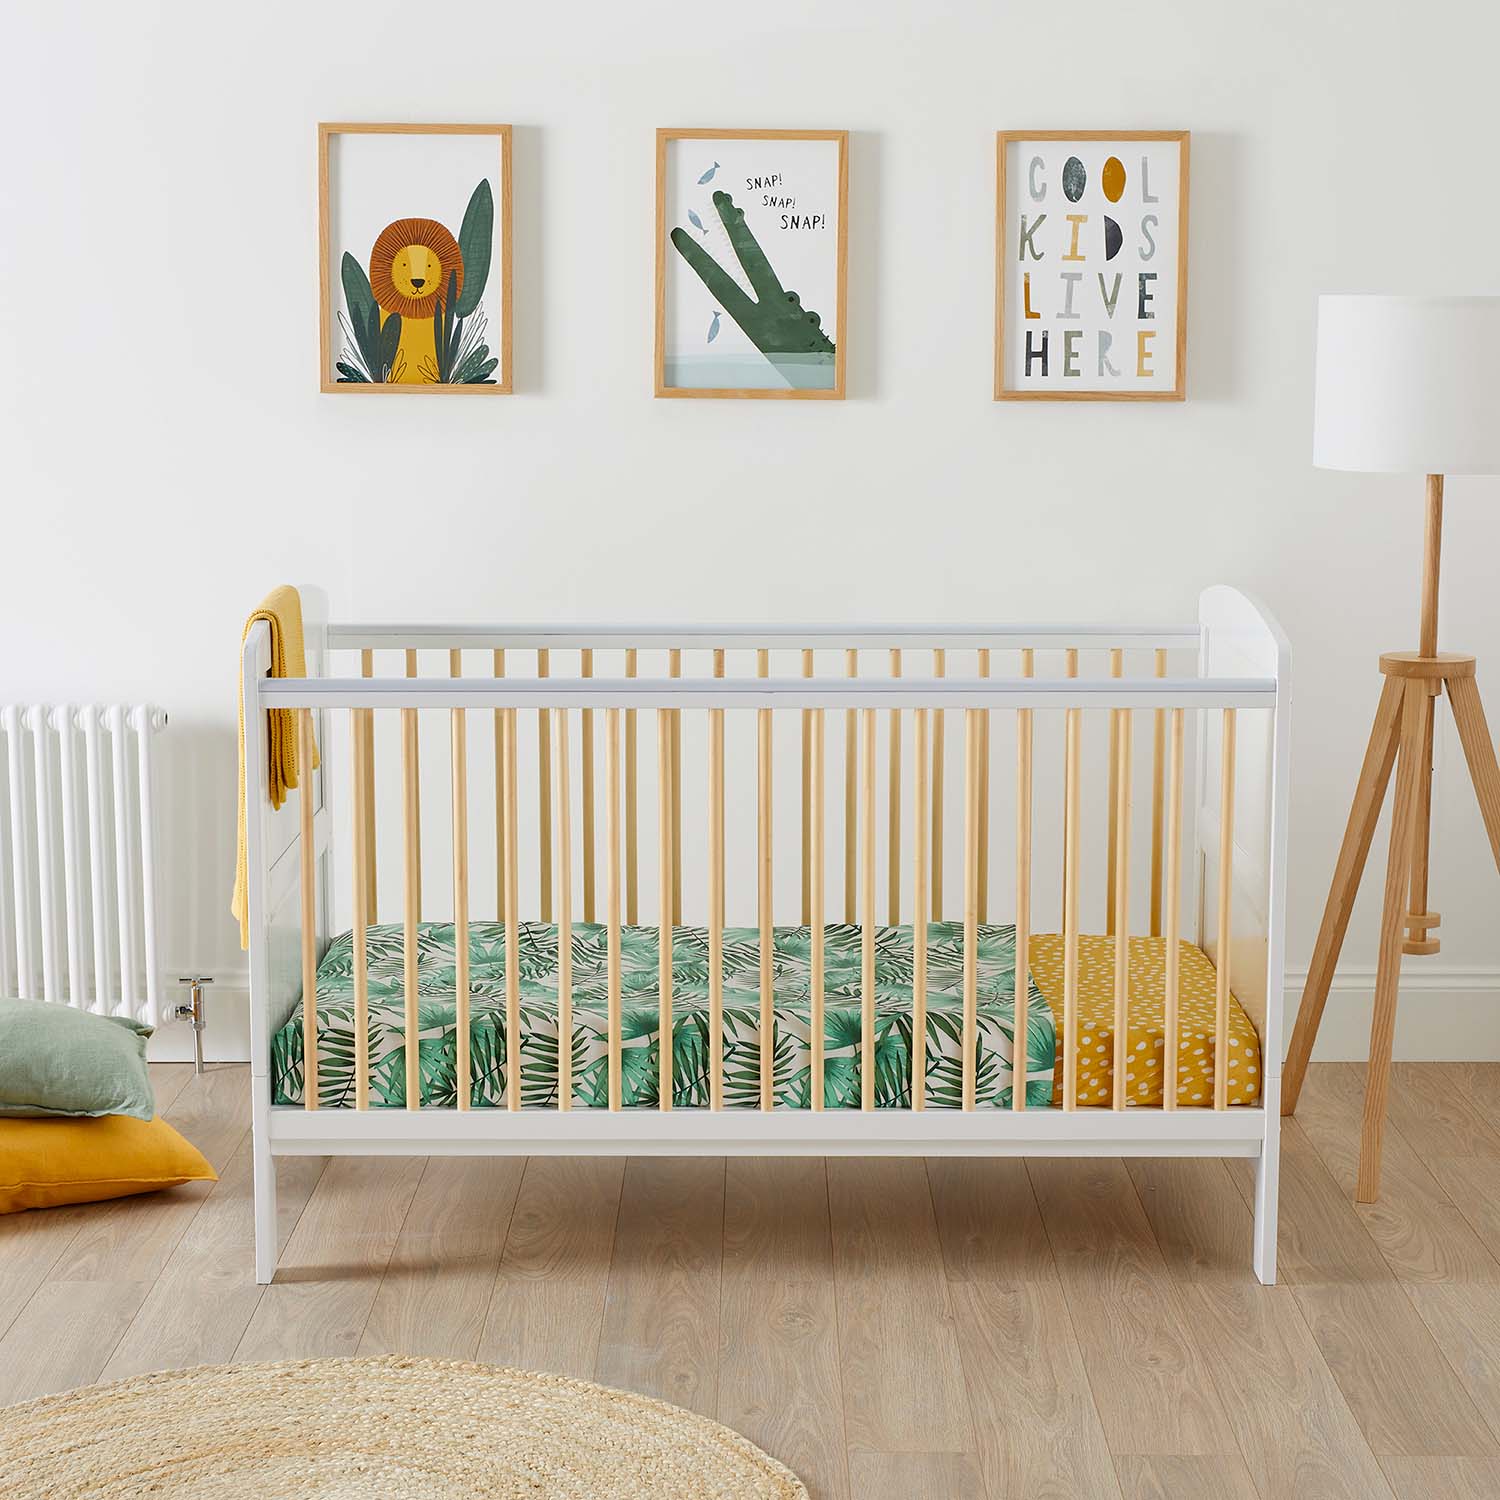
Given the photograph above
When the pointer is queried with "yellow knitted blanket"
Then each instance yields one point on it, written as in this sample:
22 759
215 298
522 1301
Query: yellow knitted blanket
281 609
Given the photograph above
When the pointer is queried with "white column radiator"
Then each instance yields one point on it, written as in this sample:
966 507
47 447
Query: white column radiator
78 896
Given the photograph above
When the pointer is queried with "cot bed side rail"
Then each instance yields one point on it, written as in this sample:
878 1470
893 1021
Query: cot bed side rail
828 1132
1087 635
769 692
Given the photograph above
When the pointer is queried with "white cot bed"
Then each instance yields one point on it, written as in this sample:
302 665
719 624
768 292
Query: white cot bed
1084 827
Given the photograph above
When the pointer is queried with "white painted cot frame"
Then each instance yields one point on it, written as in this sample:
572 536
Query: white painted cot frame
1239 810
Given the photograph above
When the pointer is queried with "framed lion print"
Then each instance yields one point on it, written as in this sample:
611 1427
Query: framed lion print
414 258
1091 265
751 232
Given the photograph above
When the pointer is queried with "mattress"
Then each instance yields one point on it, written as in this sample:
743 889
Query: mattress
1040 1053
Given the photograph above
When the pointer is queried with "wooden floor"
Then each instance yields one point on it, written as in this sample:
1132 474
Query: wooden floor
904 1329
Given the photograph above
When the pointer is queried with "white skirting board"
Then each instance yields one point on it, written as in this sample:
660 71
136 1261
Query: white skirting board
1447 1014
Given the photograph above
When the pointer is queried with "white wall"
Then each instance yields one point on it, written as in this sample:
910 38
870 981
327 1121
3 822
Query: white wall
166 455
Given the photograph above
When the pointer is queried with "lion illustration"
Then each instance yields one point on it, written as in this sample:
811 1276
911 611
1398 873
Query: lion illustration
410 266
416 319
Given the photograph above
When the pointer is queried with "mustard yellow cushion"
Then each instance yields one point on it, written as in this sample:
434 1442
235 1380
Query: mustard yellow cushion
47 1162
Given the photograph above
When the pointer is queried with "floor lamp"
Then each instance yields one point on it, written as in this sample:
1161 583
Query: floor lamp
1407 385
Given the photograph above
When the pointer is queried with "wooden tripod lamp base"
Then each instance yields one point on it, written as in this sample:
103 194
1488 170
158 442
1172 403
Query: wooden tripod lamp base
1401 741
1404 385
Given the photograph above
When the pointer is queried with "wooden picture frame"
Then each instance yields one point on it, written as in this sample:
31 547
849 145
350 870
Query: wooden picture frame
1106 383
812 374
473 349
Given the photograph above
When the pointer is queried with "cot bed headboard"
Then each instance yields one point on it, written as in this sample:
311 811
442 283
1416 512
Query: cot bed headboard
273 836
1240 638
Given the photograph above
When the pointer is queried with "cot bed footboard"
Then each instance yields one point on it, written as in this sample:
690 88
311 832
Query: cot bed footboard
1109 985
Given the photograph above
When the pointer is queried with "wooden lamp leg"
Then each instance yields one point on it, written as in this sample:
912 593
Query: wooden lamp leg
1392 921
1479 751
1369 795
1419 921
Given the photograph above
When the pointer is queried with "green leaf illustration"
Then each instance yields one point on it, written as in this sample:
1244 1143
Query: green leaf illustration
446 333
469 370
357 294
390 337
474 239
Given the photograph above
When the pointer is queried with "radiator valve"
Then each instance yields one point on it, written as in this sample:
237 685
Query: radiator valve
193 1011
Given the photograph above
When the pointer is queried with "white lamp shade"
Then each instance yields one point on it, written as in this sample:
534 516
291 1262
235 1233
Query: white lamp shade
1408 385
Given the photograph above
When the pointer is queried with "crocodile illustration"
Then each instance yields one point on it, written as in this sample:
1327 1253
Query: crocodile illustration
789 335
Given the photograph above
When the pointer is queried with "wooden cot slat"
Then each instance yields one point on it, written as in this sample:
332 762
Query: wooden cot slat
499 671
919 912
564 912
1226 888
666 730
817 1019
972 740
893 823
1022 983
513 918
763 898
411 849
586 768
1158 798
1171 923
939 669
851 799
719 671
867 915
409 729
632 830
677 804
1116 669
544 794
807 713
984 797
460 788
1071 820
612 890
1070 669
716 899
309 871
365 800
1120 884
360 738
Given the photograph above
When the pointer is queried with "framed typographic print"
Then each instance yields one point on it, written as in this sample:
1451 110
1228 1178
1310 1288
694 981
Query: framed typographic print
751 234
1091 265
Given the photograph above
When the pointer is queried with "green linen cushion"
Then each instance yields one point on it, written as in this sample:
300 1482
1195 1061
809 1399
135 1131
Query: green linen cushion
55 1060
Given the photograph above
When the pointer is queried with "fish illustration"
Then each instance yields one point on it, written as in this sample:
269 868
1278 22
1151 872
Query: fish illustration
713 328
696 222
708 176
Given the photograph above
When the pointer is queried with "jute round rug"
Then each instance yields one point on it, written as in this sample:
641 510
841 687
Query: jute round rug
368 1429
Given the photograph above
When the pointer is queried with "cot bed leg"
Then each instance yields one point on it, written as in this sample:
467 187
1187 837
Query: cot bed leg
1263 1257
265 1219
265 1184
